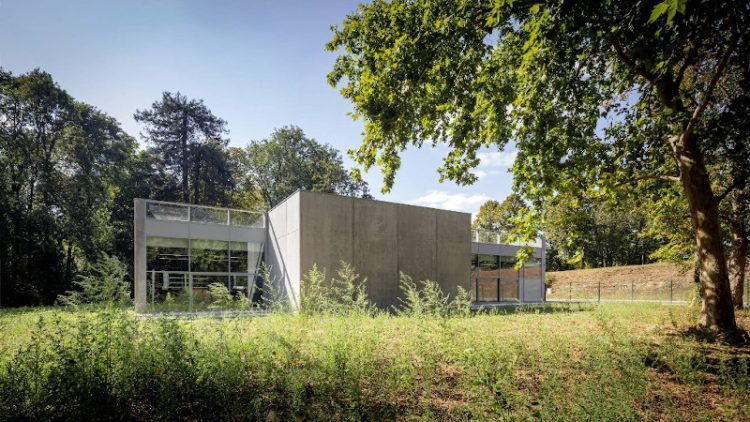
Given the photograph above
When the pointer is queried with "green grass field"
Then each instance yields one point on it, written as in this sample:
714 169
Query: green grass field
605 362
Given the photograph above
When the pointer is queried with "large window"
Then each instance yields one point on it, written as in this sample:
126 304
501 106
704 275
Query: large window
181 272
508 278
496 278
167 254
210 256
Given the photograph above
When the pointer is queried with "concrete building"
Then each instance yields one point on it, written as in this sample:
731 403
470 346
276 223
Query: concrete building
187 248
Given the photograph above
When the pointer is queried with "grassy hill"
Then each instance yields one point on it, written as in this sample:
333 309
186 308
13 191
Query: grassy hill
637 273
640 282
645 282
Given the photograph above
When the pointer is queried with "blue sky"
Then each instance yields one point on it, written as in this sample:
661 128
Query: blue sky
257 64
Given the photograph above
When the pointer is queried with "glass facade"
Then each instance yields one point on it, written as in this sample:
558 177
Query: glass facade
495 278
185 273
204 215
167 254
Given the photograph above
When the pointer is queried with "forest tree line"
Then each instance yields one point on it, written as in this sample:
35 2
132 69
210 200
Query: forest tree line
70 173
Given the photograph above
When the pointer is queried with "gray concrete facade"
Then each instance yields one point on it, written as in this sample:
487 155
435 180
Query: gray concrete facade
380 239
283 249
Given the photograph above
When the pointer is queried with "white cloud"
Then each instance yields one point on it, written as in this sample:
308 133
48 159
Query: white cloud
497 158
480 174
451 201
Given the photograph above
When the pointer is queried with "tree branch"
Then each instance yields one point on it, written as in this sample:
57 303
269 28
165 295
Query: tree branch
666 89
649 177
738 182
690 56
640 70
710 90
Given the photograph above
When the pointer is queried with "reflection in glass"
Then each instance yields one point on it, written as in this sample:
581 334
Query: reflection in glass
508 289
210 256
488 265
238 257
166 254
209 215
487 290
533 270
246 219
174 212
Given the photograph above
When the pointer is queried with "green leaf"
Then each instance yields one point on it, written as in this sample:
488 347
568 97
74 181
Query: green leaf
659 10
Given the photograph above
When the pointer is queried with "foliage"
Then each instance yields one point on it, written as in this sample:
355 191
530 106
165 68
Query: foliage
499 217
272 290
103 281
70 174
220 295
289 160
592 233
598 97
187 140
607 362
63 163
350 290
342 294
428 300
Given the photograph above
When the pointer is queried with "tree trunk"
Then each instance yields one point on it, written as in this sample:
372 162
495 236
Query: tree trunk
717 312
69 264
184 158
738 255
196 179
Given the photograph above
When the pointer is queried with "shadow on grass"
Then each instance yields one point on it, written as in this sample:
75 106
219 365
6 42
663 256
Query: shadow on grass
739 339
556 308
26 310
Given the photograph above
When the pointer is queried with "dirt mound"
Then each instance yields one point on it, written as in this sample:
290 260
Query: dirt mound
639 274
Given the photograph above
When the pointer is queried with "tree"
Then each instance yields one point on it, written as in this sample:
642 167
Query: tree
738 228
496 217
62 161
597 96
288 160
183 134
593 233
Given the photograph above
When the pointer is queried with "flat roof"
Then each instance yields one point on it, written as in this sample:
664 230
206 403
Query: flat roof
364 199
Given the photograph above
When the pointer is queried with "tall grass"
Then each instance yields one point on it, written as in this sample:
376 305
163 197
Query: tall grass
431 360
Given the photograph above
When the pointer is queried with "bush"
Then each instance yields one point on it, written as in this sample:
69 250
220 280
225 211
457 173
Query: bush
103 281
429 300
342 294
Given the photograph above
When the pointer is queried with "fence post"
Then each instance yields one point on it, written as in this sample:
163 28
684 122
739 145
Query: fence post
190 292
632 292
670 291
570 291
599 291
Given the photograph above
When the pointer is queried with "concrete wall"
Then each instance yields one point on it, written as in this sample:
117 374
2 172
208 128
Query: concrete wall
381 239
139 254
283 249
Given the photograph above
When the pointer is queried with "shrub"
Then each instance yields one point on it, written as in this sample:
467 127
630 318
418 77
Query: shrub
270 292
103 281
312 288
429 300
220 295
350 292
342 294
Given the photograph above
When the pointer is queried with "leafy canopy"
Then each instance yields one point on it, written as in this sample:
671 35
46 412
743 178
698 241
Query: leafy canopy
289 160
587 91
